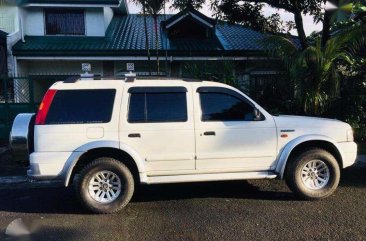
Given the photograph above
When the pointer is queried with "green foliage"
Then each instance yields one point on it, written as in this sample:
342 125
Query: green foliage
183 4
314 70
219 71
250 15
351 106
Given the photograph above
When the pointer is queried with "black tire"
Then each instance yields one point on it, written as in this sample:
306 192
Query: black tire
294 174
105 164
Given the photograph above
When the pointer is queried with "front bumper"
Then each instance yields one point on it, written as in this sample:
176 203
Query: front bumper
349 153
47 165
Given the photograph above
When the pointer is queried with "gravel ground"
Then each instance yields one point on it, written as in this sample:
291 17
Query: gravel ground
241 210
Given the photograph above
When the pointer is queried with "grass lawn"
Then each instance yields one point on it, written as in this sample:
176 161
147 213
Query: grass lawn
361 148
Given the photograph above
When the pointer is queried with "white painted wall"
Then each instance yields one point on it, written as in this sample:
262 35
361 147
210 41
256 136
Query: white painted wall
108 15
94 21
12 39
9 19
33 21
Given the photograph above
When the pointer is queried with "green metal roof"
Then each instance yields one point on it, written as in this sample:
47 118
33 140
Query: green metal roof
72 2
126 36
187 11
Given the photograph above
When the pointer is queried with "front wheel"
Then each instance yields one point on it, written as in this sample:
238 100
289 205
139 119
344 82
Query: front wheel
105 186
314 174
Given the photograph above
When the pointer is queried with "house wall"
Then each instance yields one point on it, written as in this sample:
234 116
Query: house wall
94 21
108 15
8 18
34 21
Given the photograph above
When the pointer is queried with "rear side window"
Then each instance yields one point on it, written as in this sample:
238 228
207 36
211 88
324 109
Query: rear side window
155 106
81 106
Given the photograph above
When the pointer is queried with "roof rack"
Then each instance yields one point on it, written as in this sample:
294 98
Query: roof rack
130 77
71 79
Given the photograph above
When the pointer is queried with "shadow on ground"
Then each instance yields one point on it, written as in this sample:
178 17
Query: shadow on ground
47 233
62 200
354 176
8 167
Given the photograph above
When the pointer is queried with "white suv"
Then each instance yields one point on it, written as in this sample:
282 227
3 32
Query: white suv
113 134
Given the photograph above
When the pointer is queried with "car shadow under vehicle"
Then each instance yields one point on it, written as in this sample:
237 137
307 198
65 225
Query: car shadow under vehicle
61 200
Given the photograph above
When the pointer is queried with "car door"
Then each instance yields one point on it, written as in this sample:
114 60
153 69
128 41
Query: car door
158 124
228 135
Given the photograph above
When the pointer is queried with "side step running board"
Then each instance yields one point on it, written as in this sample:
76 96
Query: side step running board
211 177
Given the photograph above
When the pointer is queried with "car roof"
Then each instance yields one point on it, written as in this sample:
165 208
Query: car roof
119 83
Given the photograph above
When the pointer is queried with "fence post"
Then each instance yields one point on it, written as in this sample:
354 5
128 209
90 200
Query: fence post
31 93
6 99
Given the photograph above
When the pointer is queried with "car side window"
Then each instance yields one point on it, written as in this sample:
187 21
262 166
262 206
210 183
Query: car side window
81 107
156 105
222 106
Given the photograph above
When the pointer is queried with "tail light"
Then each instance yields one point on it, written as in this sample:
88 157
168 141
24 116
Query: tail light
44 107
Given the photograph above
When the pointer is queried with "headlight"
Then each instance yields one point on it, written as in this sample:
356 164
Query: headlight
350 135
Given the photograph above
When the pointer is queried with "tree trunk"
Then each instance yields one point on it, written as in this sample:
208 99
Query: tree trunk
326 27
157 44
300 29
147 40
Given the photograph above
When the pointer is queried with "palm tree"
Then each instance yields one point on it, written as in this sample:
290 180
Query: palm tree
153 7
314 70
143 4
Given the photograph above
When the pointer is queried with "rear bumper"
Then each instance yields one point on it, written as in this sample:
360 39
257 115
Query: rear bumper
349 153
47 165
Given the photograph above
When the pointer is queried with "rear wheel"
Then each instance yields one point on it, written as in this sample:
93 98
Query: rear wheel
314 174
105 186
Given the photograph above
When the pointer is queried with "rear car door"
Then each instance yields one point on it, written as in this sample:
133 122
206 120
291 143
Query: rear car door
158 123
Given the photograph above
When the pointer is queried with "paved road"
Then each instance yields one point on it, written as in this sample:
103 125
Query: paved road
245 210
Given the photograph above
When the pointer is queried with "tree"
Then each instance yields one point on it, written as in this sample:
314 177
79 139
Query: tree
183 4
296 7
315 68
143 5
248 14
153 7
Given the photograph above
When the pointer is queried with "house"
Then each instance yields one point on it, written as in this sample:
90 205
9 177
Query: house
58 36
49 40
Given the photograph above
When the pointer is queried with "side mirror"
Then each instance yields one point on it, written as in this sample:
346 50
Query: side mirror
257 114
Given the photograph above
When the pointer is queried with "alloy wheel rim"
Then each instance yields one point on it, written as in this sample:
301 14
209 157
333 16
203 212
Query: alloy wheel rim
105 187
315 174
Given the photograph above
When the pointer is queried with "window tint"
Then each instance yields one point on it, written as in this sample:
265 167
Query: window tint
158 107
224 107
64 22
81 106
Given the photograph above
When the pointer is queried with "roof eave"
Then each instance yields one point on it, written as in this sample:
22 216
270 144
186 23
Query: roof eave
122 53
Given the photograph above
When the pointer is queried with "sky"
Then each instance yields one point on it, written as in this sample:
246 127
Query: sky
286 16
